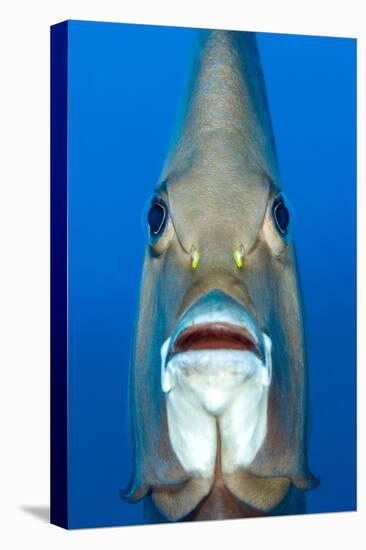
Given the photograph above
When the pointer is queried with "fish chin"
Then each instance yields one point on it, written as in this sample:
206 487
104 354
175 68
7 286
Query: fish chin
214 378
204 387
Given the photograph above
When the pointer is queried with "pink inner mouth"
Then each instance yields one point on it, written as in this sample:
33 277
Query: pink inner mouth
214 336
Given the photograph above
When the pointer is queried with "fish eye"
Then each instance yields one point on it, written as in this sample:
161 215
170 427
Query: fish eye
280 215
157 218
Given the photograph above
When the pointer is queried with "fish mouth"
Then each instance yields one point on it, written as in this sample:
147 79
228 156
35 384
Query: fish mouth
218 339
215 336
216 349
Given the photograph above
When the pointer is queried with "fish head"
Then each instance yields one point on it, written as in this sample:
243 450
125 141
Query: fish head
219 340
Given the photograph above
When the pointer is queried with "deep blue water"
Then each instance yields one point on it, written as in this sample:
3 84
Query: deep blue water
124 87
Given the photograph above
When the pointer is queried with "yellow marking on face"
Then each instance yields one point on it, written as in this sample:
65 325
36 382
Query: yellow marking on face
238 256
195 255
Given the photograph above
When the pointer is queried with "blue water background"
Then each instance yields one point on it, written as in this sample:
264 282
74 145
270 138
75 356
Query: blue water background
124 87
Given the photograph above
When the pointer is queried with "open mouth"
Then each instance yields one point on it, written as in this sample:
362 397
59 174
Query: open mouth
209 336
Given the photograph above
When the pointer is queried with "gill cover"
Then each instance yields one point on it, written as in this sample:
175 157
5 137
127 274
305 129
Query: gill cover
218 183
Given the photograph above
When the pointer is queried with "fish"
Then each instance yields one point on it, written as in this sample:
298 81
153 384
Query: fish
218 378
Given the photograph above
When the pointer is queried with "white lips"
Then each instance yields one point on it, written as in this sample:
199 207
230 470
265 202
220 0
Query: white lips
241 363
220 313
232 314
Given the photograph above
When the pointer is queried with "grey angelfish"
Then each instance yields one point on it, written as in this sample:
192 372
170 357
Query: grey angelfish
218 378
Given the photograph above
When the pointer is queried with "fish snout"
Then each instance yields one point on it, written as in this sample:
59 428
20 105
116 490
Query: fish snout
217 321
215 349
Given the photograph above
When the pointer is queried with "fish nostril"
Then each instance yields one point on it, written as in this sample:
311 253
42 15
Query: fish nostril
195 255
238 256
